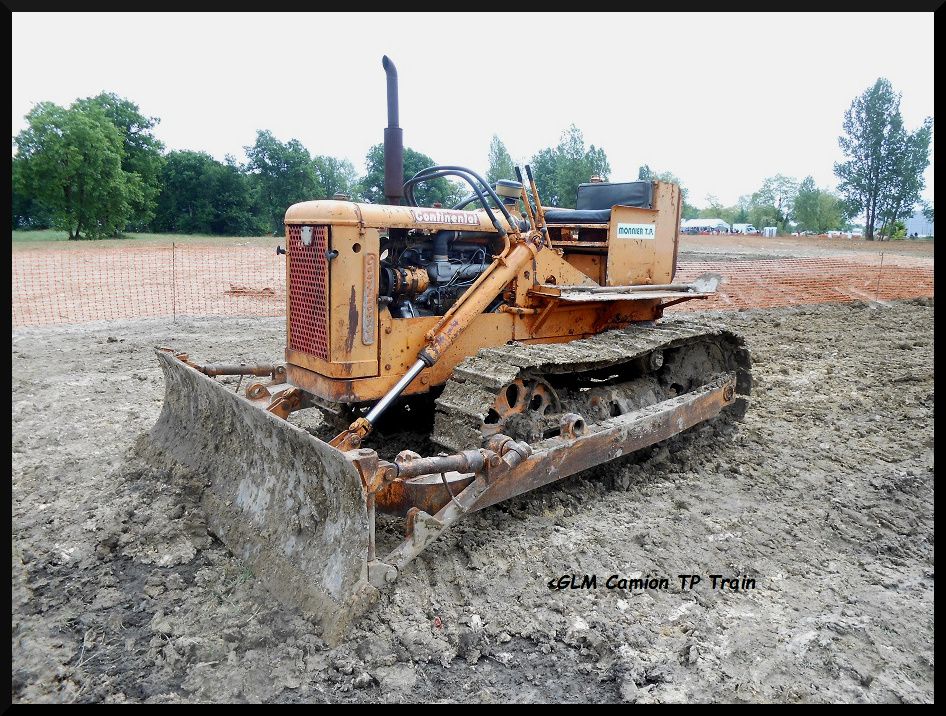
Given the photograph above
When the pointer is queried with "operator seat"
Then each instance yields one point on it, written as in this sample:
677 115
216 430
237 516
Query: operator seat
596 199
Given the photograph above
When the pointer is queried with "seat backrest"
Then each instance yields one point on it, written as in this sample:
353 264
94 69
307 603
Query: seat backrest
604 195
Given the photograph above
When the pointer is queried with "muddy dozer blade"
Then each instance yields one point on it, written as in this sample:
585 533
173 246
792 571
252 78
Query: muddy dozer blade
288 505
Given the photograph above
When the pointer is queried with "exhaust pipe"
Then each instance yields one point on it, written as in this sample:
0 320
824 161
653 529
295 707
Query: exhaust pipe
393 140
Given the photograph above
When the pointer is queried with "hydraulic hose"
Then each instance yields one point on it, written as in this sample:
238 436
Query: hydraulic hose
480 179
409 193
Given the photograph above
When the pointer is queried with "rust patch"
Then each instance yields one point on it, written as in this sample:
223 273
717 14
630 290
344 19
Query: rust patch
426 493
348 394
352 322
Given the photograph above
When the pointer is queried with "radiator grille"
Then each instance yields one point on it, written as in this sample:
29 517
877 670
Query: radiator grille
308 292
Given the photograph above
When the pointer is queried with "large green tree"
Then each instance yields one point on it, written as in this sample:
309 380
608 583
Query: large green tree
500 163
817 210
336 176
762 215
26 212
774 201
70 162
441 190
743 204
142 157
882 175
200 195
559 170
283 174
907 182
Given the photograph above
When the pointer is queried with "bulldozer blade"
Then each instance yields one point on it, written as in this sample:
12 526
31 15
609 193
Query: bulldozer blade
288 505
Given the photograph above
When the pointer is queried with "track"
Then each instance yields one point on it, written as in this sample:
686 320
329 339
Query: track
524 390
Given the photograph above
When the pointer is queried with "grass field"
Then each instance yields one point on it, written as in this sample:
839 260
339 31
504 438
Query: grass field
60 240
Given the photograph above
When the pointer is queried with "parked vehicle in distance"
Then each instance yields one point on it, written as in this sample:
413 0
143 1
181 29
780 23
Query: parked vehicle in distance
744 229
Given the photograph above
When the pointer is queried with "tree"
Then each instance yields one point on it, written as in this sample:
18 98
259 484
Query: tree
816 210
282 174
142 157
203 196
727 214
689 212
70 161
928 211
337 176
26 212
236 213
807 205
500 163
906 181
713 207
775 200
761 215
185 204
427 193
559 170
743 204
883 172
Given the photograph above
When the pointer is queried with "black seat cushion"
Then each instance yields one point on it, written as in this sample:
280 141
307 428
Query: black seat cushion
577 216
604 195
596 199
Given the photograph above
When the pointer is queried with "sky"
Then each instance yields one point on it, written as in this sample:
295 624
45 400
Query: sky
722 100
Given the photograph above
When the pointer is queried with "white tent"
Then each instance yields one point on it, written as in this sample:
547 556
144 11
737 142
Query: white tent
717 224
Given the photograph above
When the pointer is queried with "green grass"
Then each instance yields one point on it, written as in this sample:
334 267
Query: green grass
39 236
49 239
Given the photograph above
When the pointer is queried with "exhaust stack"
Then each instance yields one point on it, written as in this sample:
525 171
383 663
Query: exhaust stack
393 140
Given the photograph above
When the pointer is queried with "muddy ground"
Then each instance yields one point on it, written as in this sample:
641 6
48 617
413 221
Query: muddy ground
823 495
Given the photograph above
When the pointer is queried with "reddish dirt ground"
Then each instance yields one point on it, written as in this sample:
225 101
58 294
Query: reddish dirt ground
89 284
792 281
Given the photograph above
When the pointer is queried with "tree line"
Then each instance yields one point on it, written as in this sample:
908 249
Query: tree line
96 169
781 201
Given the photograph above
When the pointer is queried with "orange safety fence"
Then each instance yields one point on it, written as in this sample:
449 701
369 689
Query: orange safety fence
82 285
790 281
76 286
